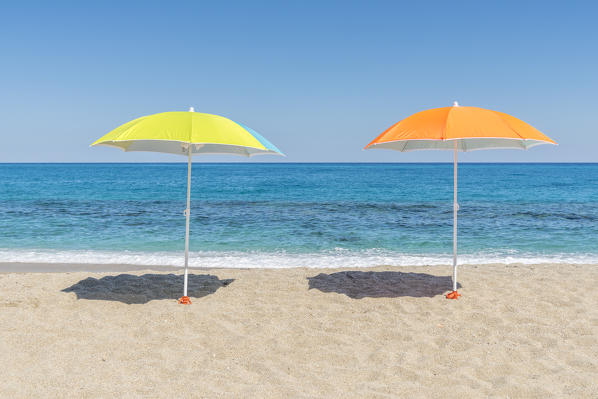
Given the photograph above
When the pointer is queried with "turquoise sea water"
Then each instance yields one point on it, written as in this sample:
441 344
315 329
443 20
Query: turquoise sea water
281 215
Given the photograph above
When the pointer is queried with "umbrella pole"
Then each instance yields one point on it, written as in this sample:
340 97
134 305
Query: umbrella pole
185 299
454 294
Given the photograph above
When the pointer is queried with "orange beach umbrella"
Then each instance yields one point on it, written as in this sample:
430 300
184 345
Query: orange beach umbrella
459 129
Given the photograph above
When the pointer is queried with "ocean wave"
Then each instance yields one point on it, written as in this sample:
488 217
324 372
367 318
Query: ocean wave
325 259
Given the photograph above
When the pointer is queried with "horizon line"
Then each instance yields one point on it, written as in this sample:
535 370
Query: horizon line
304 162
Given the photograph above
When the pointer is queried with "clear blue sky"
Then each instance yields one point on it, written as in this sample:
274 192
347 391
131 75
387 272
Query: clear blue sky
319 79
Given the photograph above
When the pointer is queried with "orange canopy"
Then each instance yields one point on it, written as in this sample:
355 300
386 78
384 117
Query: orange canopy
473 128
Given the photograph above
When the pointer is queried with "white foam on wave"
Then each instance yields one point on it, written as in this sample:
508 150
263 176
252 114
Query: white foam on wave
333 259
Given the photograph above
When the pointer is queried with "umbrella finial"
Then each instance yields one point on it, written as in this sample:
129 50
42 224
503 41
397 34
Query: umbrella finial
455 103
191 109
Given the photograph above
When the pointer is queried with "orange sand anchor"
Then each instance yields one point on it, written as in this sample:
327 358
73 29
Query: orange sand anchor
184 300
453 295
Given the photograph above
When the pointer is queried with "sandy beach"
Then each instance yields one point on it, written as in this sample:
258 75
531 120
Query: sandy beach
87 331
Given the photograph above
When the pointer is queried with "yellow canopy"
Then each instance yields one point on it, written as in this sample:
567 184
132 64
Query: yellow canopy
172 132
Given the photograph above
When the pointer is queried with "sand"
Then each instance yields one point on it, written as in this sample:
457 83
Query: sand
518 331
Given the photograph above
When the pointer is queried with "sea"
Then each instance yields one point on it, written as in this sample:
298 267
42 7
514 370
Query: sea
280 215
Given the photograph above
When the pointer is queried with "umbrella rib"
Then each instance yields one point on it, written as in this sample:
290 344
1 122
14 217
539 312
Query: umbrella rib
513 130
191 132
445 127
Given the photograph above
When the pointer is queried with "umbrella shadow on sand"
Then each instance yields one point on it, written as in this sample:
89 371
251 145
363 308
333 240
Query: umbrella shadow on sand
358 284
131 289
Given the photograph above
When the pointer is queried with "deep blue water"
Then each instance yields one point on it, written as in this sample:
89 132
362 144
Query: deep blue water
297 214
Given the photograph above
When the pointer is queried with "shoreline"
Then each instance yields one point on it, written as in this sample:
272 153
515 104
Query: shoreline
51 267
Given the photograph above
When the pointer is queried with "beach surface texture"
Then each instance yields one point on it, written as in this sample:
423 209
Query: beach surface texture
518 331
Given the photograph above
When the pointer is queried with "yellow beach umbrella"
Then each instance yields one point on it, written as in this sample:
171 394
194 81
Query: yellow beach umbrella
458 129
187 133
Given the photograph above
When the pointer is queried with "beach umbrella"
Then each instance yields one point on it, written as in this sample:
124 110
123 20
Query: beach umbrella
458 129
187 133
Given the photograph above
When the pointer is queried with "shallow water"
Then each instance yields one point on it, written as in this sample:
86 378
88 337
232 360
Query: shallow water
280 215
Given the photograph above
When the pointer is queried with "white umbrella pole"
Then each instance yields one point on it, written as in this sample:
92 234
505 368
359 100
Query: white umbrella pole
454 294
185 298
455 209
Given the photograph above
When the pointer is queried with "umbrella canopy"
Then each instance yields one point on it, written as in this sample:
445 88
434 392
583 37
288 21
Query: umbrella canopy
471 128
458 129
187 133
171 132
